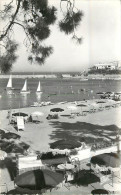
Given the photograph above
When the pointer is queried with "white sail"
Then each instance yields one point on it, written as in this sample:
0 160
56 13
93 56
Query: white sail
25 86
9 85
39 87
24 89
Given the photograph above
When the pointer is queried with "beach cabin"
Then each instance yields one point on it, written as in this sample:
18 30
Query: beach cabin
20 123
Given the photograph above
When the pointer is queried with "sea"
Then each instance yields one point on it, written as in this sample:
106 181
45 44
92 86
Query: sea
54 90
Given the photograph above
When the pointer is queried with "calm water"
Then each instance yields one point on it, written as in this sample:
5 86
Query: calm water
54 90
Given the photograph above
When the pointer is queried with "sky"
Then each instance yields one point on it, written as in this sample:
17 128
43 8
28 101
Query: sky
100 29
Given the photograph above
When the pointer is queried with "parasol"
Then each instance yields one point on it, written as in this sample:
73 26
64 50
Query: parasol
39 179
107 159
20 114
57 110
65 144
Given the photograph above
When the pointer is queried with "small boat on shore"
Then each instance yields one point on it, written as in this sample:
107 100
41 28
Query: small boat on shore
39 91
84 79
24 89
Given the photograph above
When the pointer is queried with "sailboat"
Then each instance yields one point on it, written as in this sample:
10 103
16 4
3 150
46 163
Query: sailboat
9 86
24 89
38 88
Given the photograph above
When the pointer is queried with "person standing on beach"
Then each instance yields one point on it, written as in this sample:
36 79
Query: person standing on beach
9 115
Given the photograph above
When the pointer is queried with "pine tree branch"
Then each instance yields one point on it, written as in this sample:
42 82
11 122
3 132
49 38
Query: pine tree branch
12 21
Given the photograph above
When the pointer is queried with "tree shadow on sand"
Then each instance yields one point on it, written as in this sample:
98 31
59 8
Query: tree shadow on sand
82 131
84 178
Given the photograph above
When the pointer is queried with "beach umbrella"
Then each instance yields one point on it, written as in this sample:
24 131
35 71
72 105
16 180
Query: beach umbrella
107 159
99 191
82 105
20 114
84 178
100 102
57 110
10 135
65 144
38 179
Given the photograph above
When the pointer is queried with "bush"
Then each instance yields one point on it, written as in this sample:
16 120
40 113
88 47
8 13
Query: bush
50 155
105 71
73 152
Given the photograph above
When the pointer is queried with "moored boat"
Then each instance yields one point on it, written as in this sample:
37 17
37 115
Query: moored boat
9 87
39 88
83 79
24 89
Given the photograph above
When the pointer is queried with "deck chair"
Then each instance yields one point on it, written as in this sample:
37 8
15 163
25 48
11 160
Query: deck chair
20 123
3 188
67 183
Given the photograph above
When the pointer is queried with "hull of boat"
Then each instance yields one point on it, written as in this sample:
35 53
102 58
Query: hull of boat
25 92
9 91
9 88
83 79
38 92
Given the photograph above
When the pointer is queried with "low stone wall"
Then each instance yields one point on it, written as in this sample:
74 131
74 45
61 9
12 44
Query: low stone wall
105 150
88 153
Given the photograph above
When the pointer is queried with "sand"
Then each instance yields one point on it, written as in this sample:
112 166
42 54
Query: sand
38 136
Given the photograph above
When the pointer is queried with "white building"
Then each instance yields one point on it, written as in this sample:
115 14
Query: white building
107 66
66 76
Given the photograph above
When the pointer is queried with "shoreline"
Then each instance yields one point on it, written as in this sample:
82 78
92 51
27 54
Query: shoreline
67 76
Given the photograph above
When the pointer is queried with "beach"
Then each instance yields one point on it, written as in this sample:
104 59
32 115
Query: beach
38 136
